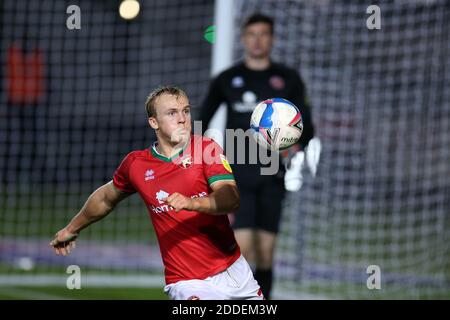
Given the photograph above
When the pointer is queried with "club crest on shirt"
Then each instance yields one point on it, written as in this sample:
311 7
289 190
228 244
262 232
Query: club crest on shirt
277 82
184 161
225 163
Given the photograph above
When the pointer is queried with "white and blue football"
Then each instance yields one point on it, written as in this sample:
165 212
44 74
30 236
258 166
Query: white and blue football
276 124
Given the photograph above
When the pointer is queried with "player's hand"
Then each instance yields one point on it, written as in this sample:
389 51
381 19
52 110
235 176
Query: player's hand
64 242
179 202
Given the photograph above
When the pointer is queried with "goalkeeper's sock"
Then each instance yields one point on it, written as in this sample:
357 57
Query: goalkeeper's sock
264 278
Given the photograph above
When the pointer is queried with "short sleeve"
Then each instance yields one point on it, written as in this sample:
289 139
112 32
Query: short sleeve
215 164
121 177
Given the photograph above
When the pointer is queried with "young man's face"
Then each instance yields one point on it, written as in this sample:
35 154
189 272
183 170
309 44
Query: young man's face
172 119
257 40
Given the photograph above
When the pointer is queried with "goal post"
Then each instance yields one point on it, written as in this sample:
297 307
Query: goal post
222 56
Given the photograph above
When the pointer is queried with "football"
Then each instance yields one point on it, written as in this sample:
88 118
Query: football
276 124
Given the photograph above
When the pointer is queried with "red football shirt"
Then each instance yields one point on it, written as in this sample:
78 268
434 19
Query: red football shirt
193 245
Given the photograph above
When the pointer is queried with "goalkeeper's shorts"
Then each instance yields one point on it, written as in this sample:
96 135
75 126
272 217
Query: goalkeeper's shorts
260 206
234 283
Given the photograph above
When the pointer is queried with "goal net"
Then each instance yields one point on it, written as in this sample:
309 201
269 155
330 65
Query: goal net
381 106
71 107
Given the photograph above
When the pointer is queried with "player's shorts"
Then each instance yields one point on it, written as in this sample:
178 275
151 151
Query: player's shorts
234 283
260 207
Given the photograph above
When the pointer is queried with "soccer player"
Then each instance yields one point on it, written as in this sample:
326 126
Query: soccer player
241 87
188 187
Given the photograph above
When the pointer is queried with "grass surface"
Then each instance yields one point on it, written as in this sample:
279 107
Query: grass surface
61 293
402 246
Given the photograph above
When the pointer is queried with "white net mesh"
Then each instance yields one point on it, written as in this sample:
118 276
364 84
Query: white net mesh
381 106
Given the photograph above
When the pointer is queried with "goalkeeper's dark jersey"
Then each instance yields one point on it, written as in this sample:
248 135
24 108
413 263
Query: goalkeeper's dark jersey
241 89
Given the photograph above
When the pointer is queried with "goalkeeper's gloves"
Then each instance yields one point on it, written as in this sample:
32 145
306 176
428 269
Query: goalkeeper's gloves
293 178
313 150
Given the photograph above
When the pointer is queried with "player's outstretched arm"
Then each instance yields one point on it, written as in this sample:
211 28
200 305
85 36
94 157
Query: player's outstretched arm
224 199
101 202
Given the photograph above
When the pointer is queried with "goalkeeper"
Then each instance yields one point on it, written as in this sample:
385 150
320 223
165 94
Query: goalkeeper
241 87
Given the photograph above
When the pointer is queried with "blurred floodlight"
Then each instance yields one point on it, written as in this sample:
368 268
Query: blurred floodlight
129 9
